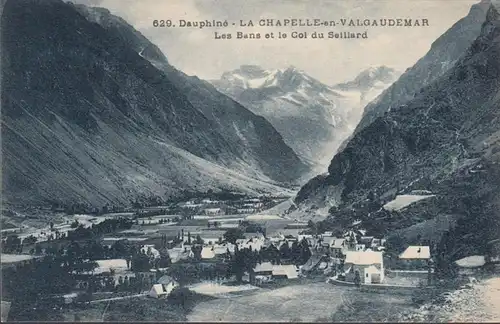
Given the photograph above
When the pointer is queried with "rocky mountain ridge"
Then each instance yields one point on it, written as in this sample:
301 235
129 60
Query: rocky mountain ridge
87 118
445 141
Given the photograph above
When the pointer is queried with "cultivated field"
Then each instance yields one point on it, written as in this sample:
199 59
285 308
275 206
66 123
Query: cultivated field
312 302
292 303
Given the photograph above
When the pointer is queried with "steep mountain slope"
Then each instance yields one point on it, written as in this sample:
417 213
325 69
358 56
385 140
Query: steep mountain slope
442 55
250 134
86 118
312 117
446 141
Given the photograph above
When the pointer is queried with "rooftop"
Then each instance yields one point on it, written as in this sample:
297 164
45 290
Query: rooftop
473 261
363 257
416 252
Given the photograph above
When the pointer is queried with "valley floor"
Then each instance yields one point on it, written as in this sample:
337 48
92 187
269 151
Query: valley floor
312 302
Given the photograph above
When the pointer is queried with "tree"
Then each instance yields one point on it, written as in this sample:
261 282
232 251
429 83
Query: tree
140 263
357 279
29 240
233 234
164 260
196 249
199 240
182 297
238 264
12 243
296 253
285 251
305 251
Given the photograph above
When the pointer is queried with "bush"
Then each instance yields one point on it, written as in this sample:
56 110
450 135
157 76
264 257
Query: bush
183 297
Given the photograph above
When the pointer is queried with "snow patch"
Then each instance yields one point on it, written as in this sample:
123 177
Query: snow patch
403 201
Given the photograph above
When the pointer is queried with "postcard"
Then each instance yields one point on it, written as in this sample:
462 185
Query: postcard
250 161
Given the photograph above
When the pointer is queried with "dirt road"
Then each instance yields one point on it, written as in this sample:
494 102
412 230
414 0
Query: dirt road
116 298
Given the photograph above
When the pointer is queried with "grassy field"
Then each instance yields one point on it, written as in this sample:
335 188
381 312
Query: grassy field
312 302
130 310
291 303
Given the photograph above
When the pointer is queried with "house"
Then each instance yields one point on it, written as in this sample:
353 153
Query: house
300 237
416 252
105 266
338 248
252 235
368 264
212 211
366 240
285 272
252 200
255 244
359 247
208 253
209 201
151 248
163 287
376 243
70 298
228 225
470 265
201 217
416 257
245 210
263 269
252 205
158 291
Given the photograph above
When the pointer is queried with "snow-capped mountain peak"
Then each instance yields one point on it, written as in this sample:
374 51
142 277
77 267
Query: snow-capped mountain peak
372 77
289 83
312 117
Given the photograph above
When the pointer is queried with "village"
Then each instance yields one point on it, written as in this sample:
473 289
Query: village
221 249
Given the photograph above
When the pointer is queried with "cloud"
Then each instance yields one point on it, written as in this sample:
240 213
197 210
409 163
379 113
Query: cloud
195 51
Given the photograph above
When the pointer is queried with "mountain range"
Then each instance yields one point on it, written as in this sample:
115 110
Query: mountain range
93 113
443 54
313 118
444 141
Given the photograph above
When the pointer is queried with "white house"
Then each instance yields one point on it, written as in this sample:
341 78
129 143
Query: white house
416 252
368 264
360 247
117 265
263 269
212 211
255 244
158 291
150 247
163 287
285 272
208 253
470 265
245 210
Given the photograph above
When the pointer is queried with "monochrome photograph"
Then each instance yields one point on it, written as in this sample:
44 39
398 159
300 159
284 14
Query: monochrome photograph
250 161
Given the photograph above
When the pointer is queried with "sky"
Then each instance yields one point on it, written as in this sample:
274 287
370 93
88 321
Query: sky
195 51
